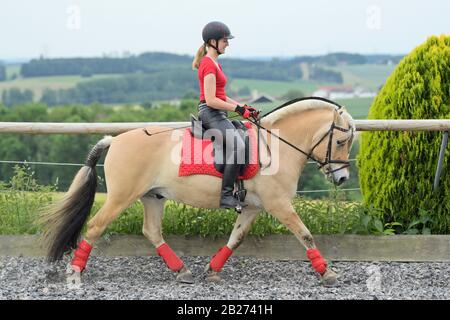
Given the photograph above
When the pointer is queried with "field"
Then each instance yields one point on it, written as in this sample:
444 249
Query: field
38 84
276 88
357 107
11 70
369 76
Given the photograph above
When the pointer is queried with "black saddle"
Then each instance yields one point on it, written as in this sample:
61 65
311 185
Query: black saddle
197 130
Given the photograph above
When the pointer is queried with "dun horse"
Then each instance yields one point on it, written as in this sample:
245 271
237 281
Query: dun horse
139 166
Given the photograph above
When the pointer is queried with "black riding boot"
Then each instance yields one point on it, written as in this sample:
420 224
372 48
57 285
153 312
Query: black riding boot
227 199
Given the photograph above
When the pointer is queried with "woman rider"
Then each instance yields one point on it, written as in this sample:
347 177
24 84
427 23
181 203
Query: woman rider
215 104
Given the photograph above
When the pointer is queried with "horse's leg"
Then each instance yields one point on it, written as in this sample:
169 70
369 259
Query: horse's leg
105 216
240 230
110 210
286 214
153 212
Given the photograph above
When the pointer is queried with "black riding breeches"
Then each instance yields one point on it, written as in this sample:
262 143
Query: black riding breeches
225 135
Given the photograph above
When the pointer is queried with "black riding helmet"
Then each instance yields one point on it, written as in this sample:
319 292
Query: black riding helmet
216 30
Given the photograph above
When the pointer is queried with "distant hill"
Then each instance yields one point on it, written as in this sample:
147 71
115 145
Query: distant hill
258 68
153 76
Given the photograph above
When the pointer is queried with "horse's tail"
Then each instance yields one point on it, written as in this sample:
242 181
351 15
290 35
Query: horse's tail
62 221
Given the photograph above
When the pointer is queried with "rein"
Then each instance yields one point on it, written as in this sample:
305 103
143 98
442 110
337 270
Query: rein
257 122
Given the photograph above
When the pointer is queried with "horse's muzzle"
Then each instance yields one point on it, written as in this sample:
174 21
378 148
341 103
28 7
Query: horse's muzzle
341 180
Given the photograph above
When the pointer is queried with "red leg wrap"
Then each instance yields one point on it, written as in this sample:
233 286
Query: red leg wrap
81 256
219 259
170 258
317 261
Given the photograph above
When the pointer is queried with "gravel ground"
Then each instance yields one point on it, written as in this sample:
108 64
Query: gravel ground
242 278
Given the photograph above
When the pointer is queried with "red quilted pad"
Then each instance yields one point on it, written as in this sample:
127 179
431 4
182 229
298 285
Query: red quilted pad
193 162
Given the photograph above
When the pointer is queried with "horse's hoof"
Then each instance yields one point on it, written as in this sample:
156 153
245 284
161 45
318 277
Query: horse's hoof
185 276
329 278
73 278
211 275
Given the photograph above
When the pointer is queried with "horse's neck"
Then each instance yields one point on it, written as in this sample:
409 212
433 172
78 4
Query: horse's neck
299 130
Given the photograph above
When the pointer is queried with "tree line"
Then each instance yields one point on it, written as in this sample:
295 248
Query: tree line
320 74
159 62
2 72
150 62
155 63
15 96
136 88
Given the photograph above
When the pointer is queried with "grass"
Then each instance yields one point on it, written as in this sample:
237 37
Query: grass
22 200
20 211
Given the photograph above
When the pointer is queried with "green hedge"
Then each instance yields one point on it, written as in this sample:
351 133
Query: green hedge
396 169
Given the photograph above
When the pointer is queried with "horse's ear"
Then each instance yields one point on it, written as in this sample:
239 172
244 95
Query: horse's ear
347 117
337 118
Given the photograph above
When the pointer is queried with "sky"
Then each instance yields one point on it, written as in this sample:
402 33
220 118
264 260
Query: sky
276 28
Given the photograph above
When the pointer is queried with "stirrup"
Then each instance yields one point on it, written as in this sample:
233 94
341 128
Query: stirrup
240 195
237 206
240 192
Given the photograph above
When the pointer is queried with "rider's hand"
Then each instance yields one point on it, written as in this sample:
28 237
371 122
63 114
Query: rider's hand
243 111
249 108
253 112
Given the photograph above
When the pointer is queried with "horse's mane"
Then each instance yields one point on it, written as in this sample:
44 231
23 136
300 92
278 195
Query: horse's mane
288 107
301 99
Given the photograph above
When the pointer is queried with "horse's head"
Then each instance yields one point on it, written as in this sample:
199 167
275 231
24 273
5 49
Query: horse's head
320 129
332 144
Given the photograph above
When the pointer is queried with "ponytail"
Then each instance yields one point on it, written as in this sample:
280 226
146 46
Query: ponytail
201 52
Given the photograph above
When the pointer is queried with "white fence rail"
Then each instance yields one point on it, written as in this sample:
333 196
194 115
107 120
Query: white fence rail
116 128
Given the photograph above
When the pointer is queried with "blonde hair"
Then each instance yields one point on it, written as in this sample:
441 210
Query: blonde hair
201 52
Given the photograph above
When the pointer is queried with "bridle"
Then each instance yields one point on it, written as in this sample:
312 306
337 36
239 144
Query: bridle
328 160
345 164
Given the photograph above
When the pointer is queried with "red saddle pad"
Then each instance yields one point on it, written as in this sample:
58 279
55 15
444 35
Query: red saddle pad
197 156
